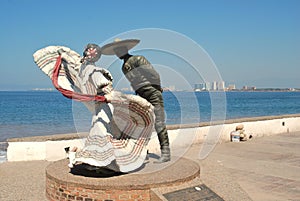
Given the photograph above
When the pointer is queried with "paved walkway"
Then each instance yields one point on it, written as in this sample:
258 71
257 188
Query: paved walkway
266 168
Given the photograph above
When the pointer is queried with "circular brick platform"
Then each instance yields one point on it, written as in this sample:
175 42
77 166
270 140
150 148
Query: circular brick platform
61 184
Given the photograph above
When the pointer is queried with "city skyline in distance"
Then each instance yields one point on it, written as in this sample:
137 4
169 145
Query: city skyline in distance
253 43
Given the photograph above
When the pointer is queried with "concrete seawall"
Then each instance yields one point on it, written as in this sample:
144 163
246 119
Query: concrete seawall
51 147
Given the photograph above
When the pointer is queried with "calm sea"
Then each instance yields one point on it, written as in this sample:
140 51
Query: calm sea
32 113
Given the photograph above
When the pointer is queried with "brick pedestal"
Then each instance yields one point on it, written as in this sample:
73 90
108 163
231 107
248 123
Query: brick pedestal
66 186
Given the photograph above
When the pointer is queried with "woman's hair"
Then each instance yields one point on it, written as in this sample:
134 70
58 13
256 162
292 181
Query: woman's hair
91 53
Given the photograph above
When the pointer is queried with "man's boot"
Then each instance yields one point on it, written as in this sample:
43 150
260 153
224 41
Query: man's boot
164 147
165 155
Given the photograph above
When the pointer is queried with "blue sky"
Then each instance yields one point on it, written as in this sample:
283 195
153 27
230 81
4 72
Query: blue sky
254 43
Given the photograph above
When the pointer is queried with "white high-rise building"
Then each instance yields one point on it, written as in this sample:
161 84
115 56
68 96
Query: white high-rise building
221 86
214 86
207 86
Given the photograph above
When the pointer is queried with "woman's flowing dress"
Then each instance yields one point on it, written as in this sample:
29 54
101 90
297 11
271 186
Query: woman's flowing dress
120 130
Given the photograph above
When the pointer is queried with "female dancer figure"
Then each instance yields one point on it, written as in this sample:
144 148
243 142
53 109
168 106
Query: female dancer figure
121 124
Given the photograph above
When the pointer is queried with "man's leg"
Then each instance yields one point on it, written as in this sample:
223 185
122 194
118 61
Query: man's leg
164 144
154 96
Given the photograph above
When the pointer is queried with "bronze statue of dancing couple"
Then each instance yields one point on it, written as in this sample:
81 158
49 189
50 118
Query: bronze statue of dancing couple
121 123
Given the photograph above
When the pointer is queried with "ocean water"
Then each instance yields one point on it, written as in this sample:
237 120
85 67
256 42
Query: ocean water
33 113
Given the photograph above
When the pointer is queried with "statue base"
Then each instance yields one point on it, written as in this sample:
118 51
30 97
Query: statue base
83 184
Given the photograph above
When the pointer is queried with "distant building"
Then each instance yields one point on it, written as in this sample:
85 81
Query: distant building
172 88
199 87
43 89
231 87
214 86
292 89
221 86
207 86
247 88
217 86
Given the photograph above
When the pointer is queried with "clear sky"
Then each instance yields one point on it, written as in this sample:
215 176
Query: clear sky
254 43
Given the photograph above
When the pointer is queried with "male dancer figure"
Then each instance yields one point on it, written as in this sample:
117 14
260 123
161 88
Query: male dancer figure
146 83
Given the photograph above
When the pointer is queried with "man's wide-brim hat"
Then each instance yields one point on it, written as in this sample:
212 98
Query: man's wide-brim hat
109 49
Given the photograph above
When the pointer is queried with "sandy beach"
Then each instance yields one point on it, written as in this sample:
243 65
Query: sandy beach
264 168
